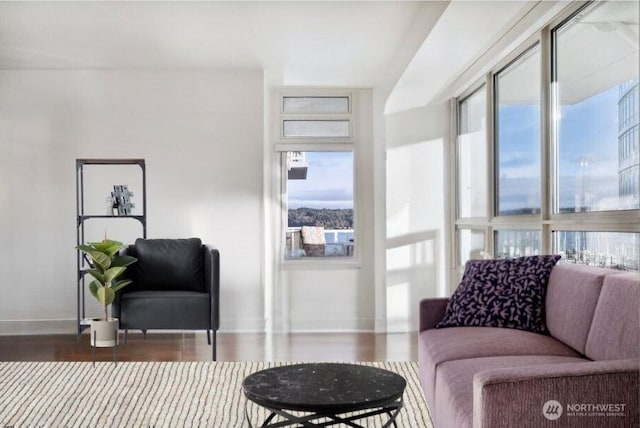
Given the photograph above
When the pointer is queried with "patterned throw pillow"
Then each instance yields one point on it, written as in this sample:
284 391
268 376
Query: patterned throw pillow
501 293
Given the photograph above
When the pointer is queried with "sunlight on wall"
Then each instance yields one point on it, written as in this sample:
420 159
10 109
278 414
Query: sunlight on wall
415 227
397 302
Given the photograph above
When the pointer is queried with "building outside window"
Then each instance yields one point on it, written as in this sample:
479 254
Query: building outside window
317 152
586 140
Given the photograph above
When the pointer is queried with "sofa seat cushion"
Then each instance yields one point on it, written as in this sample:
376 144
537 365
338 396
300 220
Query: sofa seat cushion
165 310
437 346
454 384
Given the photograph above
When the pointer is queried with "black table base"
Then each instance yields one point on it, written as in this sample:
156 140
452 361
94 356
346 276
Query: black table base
392 410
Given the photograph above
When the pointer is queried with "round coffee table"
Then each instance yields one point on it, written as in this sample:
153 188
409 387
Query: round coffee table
324 391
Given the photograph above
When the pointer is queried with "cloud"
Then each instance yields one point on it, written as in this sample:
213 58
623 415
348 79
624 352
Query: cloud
517 159
599 192
322 198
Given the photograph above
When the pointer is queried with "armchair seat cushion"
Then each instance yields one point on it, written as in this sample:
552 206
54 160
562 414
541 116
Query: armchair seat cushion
165 310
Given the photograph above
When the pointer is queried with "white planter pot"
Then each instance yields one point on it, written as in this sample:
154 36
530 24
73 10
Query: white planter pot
104 334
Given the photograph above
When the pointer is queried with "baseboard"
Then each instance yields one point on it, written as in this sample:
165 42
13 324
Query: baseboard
252 325
32 327
360 325
247 325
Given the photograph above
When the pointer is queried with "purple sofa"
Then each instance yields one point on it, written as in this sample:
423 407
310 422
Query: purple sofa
589 363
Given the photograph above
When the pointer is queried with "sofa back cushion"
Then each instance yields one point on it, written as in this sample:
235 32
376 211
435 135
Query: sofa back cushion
167 264
572 296
615 331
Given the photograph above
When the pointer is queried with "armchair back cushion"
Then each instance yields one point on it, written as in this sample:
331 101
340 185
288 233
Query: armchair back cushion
167 264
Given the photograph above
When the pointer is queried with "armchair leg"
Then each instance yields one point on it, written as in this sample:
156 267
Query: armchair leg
126 335
213 345
144 334
208 338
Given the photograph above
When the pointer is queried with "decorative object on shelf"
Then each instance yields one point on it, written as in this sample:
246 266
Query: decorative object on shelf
106 266
111 205
121 197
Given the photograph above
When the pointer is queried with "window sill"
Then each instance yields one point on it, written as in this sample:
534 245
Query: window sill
321 263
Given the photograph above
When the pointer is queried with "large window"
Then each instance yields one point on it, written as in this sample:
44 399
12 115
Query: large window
564 142
472 155
517 100
596 104
317 152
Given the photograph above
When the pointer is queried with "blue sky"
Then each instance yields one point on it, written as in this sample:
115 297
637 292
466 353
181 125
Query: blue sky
588 131
329 182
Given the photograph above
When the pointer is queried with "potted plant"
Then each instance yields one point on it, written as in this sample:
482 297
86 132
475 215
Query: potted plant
106 266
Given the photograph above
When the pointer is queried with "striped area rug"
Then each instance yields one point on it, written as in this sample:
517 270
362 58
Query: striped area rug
153 394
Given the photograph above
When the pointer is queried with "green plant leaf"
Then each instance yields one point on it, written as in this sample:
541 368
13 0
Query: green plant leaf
100 260
123 261
106 266
97 275
108 246
85 248
117 285
105 295
93 287
113 272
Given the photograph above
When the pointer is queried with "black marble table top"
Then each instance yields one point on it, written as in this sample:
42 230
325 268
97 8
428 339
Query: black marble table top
329 387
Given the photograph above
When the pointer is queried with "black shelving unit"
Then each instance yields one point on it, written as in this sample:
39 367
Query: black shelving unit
81 218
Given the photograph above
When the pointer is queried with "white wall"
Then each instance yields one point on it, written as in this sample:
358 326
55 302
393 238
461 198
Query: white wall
201 133
417 212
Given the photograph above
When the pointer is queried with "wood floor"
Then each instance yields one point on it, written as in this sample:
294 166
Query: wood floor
231 347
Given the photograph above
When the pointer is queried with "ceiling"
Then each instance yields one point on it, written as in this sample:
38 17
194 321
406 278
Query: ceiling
411 49
339 43
454 42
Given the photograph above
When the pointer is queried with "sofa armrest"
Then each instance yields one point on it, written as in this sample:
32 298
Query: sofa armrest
212 282
516 396
431 312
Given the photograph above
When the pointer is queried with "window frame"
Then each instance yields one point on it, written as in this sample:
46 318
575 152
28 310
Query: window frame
282 145
548 221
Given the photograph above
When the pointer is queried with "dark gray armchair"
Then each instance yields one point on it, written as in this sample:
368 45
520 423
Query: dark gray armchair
176 286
